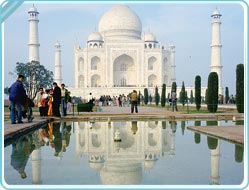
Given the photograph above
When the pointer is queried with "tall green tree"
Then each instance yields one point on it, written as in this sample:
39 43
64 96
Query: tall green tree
173 87
183 95
197 135
146 96
212 92
163 96
157 96
198 92
226 95
240 88
36 76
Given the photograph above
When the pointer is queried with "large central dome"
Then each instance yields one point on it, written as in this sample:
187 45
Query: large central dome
120 22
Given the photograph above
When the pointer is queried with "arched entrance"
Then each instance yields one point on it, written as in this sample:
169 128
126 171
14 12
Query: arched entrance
124 73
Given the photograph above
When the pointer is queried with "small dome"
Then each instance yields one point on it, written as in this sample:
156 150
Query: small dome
95 36
149 37
57 44
32 9
96 162
216 12
149 164
120 21
97 166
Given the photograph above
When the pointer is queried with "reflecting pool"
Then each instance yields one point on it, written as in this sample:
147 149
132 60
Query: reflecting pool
123 152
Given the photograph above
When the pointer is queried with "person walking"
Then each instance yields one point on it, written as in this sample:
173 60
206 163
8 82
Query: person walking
17 97
134 99
64 100
38 100
44 103
174 100
56 100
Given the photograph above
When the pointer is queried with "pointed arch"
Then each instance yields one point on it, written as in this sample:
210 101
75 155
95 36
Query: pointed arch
95 81
95 61
151 63
81 81
80 64
124 71
152 80
165 63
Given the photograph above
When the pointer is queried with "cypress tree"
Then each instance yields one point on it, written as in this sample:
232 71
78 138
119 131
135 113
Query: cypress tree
239 153
146 96
198 92
240 88
212 143
157 97
163 96
197 135
173 87
226 95
183 96
212 92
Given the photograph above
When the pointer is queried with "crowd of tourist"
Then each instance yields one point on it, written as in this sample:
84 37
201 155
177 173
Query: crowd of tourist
55 101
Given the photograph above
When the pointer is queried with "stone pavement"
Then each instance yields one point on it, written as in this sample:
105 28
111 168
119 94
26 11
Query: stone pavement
233 133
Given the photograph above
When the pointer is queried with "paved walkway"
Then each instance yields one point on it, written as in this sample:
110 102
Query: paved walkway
233 133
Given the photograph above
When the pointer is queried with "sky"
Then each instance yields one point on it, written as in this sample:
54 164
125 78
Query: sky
186 24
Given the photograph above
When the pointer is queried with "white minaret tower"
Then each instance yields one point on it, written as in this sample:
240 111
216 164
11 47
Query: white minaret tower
215 163
57 64
172 62
33 35
36 166
216 48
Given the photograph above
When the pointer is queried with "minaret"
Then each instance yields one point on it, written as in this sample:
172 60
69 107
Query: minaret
216 48
172 63
57 64
36 166
33 35
215 163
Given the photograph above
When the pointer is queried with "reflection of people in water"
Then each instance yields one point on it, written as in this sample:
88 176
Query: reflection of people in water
66 133
134 127
57 138
21 150
173 125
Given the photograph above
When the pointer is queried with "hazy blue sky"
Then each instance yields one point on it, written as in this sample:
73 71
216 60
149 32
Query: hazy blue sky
186 25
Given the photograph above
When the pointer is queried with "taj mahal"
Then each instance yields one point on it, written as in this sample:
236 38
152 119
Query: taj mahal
119 58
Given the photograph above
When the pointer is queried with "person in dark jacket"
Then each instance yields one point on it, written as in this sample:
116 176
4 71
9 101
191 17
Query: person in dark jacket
56 100
17 97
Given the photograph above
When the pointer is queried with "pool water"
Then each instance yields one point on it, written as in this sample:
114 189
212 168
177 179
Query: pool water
123 152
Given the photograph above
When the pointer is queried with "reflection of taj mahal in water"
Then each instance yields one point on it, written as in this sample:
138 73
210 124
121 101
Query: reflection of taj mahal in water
120 150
